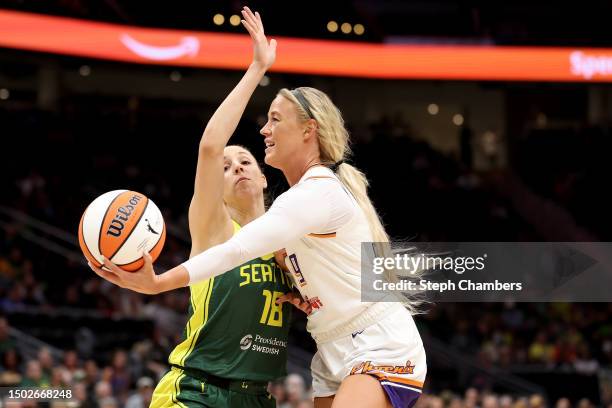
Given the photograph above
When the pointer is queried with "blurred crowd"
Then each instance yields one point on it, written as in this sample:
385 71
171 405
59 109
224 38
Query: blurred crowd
473 398
574 337
126 379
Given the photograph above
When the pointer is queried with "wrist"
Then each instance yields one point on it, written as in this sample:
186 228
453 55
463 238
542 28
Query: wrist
173 279
259 67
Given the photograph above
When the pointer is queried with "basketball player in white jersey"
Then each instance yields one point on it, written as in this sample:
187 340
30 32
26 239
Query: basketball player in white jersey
369 354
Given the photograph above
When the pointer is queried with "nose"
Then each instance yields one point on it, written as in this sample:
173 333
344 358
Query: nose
265 131
238 168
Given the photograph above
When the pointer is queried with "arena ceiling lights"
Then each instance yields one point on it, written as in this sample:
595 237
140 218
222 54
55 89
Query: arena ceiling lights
318 57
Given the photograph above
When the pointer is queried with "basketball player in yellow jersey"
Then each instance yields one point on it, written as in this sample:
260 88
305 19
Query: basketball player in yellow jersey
236 337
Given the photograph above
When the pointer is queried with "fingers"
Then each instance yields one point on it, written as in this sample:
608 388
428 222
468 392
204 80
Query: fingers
273 46
259 22
287 297
249 20
254 20
109 276
249 27
113 268
148 260
296 300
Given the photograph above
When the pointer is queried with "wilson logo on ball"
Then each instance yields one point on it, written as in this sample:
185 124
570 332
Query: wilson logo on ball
120 225
123 214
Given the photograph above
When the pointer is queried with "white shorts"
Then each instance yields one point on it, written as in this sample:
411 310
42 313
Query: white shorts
390 349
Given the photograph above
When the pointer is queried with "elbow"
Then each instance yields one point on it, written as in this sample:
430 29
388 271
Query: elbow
209 147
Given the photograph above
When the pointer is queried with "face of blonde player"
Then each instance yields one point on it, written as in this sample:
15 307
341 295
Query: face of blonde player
243 179
282 133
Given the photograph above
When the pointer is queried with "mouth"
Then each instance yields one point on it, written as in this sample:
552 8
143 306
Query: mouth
269 144
241 179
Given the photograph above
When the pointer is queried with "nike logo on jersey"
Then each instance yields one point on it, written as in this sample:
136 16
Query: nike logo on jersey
356 333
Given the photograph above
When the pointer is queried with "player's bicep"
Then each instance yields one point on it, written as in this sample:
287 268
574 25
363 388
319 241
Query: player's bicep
208 227
207 206
209 220
293 215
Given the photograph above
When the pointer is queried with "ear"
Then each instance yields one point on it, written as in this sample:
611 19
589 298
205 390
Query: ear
265 181
310 130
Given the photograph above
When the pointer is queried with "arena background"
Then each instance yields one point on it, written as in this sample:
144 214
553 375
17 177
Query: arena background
448 160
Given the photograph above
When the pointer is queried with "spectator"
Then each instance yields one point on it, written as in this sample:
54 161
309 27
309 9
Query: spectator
34 375
60 378
536 401
505 401
277 389
120 379
490 401
294 390
103 390
10 374
71 361
108 402
46 362
471 398
455 402
80 395
6 342
305 404
540 350
563 403
435 402
142 397
585 364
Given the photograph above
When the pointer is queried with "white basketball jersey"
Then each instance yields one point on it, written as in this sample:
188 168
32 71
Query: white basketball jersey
326 266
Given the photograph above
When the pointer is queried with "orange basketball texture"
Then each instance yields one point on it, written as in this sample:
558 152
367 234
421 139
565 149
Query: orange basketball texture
120 225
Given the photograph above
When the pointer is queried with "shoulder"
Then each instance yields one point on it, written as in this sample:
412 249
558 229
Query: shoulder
319 179
312 191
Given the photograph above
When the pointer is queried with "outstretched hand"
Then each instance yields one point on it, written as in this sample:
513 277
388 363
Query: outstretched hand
296 300
143 280
264 53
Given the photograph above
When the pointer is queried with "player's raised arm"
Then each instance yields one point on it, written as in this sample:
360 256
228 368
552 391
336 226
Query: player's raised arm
209 221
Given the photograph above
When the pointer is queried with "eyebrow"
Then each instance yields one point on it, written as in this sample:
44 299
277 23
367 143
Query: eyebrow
274 112
247 155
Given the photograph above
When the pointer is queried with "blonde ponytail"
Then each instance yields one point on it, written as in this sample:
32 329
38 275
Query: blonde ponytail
357 183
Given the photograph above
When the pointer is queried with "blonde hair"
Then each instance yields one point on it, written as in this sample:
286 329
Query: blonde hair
334 147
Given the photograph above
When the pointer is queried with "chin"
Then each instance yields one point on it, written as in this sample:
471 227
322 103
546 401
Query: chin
271 161
246 191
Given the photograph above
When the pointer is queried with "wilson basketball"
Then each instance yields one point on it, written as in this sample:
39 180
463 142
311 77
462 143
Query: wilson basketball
120 225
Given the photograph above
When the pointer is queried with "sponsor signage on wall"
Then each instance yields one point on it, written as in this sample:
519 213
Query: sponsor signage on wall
116 42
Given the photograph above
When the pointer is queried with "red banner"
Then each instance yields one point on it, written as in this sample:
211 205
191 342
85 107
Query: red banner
233 51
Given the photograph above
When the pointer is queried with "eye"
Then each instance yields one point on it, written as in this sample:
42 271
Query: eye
246 162
226 167
274 119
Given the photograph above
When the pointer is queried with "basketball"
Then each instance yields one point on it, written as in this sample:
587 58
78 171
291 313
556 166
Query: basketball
120 225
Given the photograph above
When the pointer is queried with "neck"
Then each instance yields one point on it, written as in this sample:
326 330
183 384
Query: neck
294 173
245 214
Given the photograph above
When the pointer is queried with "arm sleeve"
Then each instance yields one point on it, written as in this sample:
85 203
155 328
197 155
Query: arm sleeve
312 206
